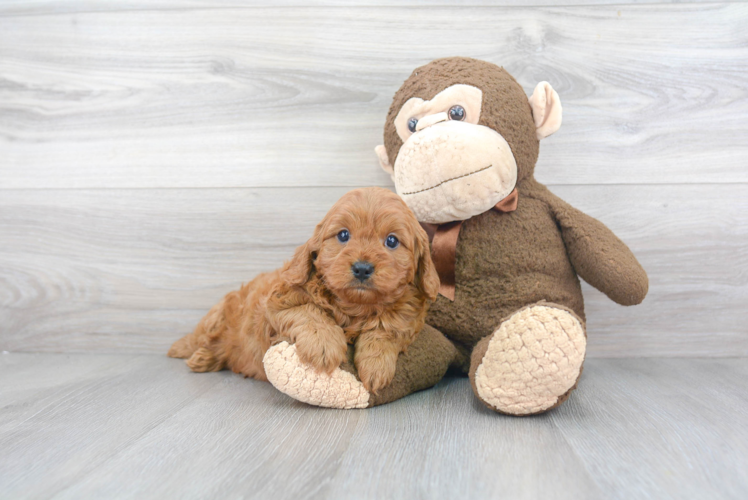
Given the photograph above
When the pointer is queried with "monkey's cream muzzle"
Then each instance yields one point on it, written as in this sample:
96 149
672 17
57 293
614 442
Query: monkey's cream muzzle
453 170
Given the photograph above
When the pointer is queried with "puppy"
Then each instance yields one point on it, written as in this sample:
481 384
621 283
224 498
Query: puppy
365 277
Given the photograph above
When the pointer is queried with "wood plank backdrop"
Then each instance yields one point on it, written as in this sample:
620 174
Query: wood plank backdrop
155 155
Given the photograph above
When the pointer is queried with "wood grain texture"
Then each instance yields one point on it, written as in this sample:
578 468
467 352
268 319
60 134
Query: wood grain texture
443 443
145 427
133 270
655 417
77 424
47 7
247 97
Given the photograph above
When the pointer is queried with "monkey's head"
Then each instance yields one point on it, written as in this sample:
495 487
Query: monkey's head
461 134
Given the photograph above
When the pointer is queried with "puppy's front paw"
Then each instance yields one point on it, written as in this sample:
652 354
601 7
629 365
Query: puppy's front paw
376 369
322 346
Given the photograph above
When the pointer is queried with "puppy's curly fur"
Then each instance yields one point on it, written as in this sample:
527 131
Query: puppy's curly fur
315 301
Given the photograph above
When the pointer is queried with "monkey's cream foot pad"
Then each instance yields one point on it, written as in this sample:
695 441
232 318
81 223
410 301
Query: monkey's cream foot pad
339 389
532 359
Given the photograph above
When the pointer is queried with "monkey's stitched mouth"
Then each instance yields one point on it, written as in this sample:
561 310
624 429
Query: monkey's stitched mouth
449 180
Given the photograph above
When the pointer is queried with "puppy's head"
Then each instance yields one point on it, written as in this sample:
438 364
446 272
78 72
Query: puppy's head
368 249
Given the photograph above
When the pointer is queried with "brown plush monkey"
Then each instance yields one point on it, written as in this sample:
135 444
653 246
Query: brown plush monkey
461 141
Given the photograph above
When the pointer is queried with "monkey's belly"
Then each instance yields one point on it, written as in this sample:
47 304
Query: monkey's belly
505 262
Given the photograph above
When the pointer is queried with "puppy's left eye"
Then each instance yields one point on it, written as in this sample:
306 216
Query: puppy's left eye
392 242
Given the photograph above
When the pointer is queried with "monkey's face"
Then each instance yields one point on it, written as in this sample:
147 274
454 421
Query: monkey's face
450 167
461 134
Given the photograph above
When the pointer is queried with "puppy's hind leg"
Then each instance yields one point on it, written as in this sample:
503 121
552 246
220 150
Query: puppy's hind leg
199 359
204 360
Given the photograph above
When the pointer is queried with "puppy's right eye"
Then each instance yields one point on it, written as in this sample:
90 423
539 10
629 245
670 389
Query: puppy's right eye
392 242
344 236
412 124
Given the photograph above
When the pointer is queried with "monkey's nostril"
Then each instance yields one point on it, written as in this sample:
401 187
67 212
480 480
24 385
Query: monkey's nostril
362 270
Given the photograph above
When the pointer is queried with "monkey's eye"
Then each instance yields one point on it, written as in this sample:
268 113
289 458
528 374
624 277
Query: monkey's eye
412 124
344 236
391 242
457 113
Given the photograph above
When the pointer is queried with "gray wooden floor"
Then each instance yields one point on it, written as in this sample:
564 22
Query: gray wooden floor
143 426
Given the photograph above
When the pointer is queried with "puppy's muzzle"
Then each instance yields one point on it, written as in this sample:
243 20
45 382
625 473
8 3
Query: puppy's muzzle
362 270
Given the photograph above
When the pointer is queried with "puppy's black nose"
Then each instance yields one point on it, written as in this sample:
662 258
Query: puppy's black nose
362 270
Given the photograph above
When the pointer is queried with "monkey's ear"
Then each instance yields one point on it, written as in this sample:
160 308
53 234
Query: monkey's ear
384 160
546 110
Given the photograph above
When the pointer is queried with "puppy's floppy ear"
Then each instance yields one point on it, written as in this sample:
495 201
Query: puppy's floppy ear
299 269
426 279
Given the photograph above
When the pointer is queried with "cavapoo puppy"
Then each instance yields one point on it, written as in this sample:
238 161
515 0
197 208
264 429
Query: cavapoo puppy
365 277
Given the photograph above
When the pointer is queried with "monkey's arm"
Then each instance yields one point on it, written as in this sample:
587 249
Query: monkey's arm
598 256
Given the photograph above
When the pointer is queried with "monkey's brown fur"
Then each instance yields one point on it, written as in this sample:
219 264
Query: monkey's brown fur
507 261
314 301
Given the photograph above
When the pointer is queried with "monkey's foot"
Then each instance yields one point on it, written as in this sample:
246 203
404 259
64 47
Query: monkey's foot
339 389
532 362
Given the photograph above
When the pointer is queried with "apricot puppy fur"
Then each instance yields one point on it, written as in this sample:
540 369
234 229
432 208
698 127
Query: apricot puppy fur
365 277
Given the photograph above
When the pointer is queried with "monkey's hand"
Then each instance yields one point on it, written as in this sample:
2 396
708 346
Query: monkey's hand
599 257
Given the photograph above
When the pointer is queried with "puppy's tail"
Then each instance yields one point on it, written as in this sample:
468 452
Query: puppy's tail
203 348
183 348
